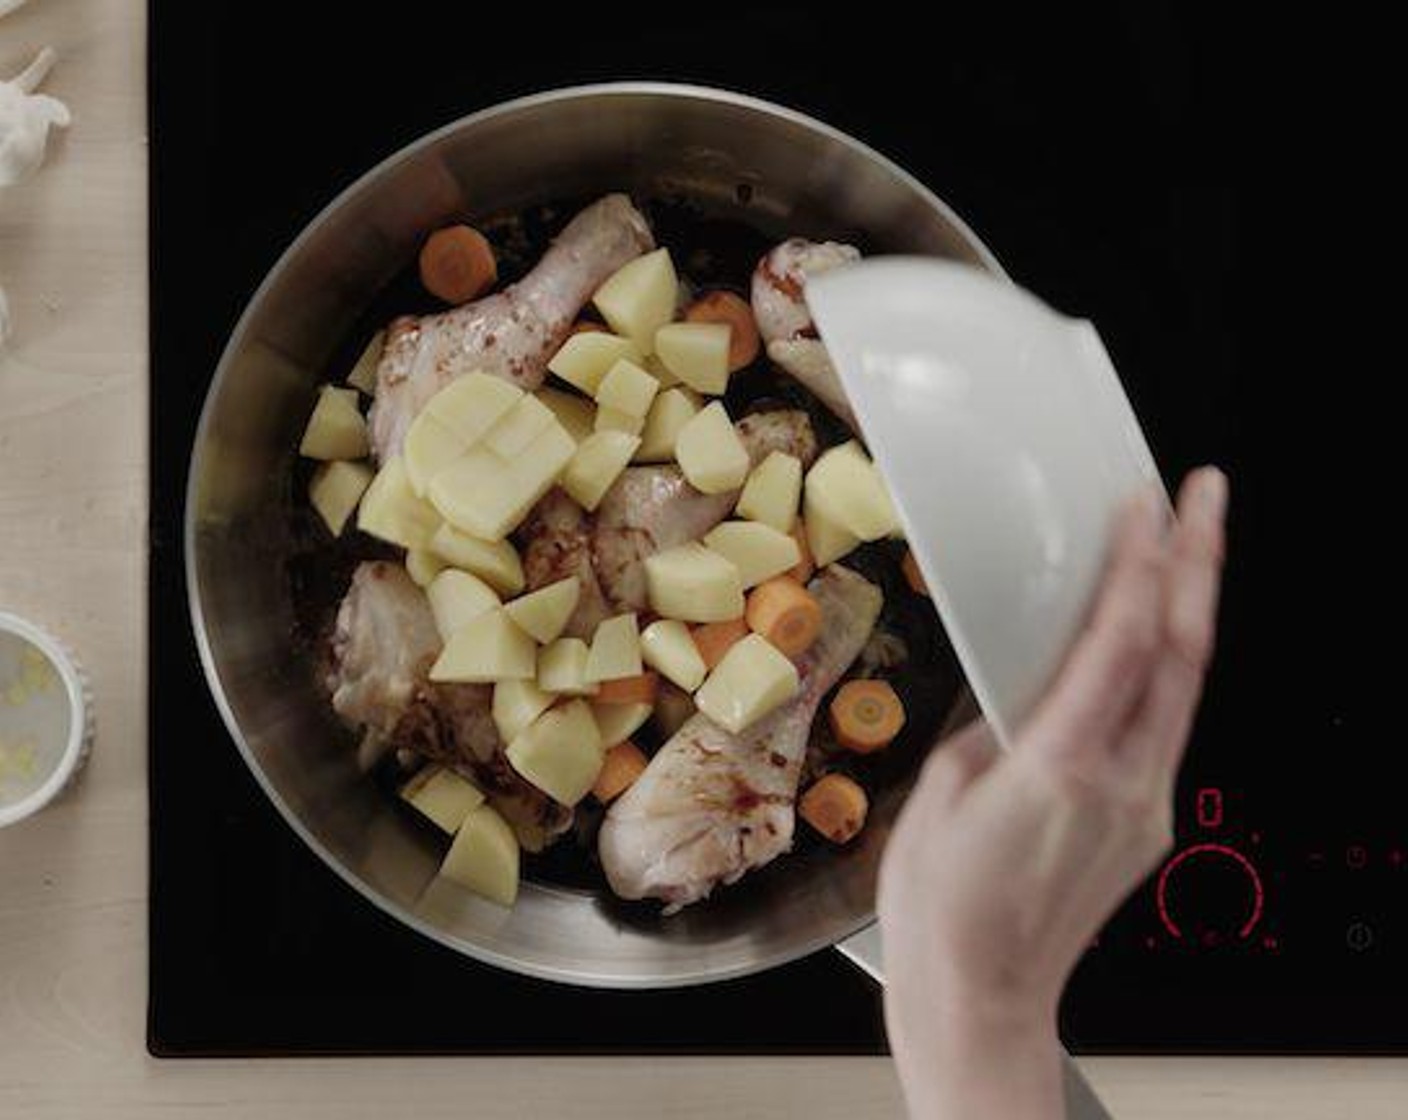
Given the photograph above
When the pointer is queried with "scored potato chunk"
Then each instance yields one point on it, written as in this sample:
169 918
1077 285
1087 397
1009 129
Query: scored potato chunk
560 752
519 427
618 722
772 492
430 447
753 679
692 583
470 405
334 491
543 613
516 704
826 540
456 598
391 511
639 298
666 646
614 420
337 428
669 412
599 459
486 649
586 357
562 667
574 413
846 487
758 551
495 562
486 495
484 857
710 453
627 388
442 797
615 650
696 353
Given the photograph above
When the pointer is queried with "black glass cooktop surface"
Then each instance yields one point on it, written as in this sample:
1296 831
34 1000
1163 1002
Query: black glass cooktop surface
1139 172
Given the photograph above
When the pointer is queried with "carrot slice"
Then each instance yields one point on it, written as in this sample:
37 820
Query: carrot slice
715 639
803 569
785 613
624 763
457 264
836 807
725 307
639 689
912 575
866 715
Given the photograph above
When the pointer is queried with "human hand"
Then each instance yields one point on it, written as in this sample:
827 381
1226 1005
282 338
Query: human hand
1002 867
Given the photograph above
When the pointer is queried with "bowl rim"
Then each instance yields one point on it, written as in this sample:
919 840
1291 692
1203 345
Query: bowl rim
702 974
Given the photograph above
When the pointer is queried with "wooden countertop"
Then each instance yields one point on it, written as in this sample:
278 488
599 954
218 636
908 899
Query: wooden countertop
73 461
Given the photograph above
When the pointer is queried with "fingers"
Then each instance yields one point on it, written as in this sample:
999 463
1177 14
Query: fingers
1108 670
1193 578
957 763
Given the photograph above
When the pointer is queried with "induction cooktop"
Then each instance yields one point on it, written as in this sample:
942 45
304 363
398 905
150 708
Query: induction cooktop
1132 171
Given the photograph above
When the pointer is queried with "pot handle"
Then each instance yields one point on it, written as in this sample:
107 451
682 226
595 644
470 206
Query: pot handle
863 950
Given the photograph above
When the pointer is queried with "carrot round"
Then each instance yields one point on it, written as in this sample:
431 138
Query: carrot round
639 689
457 264
725 307
836 807
624 763
803 569
785 613
715 639
866 715
912 575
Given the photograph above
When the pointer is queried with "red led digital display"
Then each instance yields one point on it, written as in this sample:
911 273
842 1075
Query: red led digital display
1209 807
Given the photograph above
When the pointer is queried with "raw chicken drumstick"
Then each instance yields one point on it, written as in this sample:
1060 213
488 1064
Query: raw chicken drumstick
712 806
510 334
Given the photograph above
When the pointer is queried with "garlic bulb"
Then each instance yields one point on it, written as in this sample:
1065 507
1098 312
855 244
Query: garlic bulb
25 120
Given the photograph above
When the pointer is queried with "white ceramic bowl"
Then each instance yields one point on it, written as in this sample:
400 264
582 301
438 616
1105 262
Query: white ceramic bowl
46 727
1008 443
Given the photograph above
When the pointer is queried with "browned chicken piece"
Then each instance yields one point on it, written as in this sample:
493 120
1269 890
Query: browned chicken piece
384 642
510 334
556 539
649 509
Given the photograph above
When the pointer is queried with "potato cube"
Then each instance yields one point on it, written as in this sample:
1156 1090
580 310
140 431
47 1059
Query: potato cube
519 427
337 429
562 667
335 489
363 375
484 857
429 448
772 492
574 413
470 405
600 458
847 488
627 388
665 645
614 420
456 598
696 353
669 412
495 562
543 613
486 496
691 583
586 357
660 371
752 680
758 551
516 704
486 649
423 565
826 540
618 722
710 453
391 511
640 297
560 752
441 796
615 650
